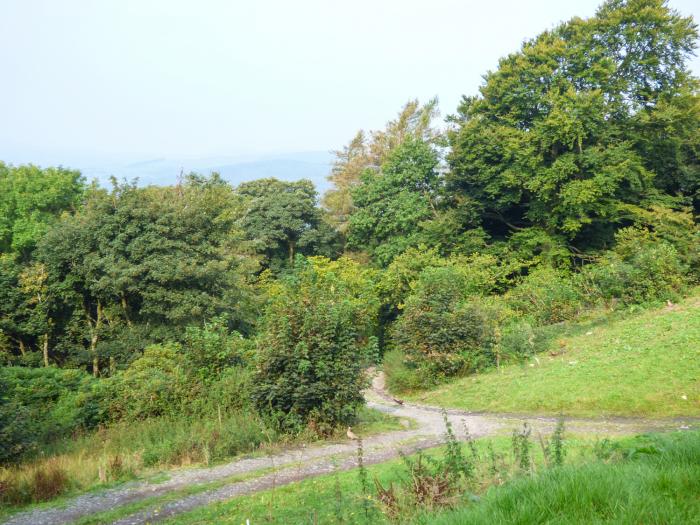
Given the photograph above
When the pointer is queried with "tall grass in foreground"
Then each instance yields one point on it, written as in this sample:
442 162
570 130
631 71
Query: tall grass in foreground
656 480
127 450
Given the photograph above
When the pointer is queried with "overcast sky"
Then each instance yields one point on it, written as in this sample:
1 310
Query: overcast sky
152 78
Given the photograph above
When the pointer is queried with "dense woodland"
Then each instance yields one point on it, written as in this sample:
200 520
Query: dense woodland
570 180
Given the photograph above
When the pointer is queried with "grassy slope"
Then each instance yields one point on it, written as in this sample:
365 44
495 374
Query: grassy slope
659 485
643 365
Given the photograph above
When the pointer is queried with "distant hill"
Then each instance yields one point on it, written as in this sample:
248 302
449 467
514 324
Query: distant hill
313 165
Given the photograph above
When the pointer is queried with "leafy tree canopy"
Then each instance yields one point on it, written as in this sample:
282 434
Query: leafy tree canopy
281 219
31 199
578 123
391 203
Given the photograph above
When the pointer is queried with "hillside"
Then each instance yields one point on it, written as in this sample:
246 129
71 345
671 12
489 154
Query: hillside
646 364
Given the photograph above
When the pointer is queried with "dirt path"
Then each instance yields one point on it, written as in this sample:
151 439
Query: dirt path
293 465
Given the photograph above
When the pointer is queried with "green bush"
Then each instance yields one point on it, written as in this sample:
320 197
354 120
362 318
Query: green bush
229 391
41 404
211 348
545 296
403 378
312 351
441 332
154 385
641 268
517 340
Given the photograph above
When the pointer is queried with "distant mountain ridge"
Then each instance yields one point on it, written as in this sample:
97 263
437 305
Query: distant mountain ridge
312 165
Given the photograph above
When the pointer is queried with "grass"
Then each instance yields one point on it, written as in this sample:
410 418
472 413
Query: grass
646 363
659 483
648 479
141 450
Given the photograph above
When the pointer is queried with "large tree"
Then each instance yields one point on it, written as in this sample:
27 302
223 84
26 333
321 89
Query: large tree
392 203
281 219
414 121
146 262
31 199
580 124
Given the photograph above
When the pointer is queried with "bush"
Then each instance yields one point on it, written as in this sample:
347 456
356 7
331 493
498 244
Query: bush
403 378
312 352
154 385
212 348
545 296
442 332
517 340
228 392
641 268
41 404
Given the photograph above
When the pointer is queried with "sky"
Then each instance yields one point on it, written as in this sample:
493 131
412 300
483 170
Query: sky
142 79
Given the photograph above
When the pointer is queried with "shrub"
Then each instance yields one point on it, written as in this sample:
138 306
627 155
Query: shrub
441 332
312 352
41 404
403 378
641 268
228 392
211 348
545 296
155 384
517 340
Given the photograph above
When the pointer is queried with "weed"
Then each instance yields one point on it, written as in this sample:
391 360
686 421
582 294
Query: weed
49 482
521 448
363 477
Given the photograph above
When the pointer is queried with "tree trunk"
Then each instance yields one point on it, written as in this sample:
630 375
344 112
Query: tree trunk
291 252
125 307
22 349
94 339
46 349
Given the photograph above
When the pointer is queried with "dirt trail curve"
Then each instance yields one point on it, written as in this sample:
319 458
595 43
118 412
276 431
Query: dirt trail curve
293 465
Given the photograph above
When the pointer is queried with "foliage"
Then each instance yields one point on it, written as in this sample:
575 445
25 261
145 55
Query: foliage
414 121
442 332
642 364
41 404
390 203
141 264
545 296
641 268
211 349
517 341
312 352
154 385
281 219
568 131
31 200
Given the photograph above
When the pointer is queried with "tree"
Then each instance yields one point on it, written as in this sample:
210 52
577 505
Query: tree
139 265
414 121
31 199
15 306
281 219
346 172
568 131
313 350
391 204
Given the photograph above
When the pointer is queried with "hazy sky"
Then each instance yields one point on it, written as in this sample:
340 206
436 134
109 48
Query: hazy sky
150 78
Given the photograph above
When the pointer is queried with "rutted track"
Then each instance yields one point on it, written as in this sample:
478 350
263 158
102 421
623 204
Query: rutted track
300 463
